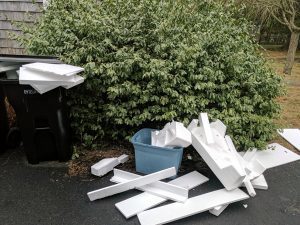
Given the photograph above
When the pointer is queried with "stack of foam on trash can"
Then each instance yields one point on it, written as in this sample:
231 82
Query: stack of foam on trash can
44 77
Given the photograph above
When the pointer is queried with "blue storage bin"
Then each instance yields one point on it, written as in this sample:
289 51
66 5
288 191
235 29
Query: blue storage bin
150 159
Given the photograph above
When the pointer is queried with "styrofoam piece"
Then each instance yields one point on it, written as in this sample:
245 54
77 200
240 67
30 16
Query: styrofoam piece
162 189
260 183
8 66
292 136
141 181
249 187
204 123
275 155
219 126
218 210
28 76
106 165
256 168
139 203
43 88
193 124
248 156
76 81
219 158
172 135
175 211
58 69
123 158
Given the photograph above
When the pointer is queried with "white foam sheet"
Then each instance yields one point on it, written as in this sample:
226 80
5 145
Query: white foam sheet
175 211
279 156
162 189
292 136
58 69
28 76
43 88
140 181
139 203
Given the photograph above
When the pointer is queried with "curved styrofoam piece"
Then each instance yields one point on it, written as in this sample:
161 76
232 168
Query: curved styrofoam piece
175 211
219 158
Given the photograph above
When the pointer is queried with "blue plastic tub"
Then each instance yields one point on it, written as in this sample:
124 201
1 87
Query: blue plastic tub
150 159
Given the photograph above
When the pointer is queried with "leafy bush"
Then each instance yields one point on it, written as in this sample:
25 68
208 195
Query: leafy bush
148 62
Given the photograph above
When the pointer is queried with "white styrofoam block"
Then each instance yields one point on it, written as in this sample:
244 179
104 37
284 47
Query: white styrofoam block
58 69
123 158
76 81
256 168
275 155
260 183
174 134
292 136
219 158
43 88
248 156
139 203
249 187
193 124
141 181
204 123
218 210
104 166
195 205
178 135
219 126
28 76
162 189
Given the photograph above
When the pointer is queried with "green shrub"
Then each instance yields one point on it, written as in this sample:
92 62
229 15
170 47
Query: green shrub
148 62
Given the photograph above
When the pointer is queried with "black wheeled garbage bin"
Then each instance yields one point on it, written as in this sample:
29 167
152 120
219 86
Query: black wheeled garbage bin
3 121
42 119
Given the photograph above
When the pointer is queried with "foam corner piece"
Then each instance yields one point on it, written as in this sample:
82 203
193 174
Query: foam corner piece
292 136
140 181
104 166
43 88
259 183
139 203
195 205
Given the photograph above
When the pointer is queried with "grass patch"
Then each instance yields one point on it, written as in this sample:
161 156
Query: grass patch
290 103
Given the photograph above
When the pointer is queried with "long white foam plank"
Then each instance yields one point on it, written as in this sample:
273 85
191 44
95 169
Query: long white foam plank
279 156
292 136
139 203
158 188
141 181
59 69
175 211
27 76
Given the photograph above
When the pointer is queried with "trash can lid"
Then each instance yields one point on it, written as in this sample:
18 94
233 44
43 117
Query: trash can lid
29 58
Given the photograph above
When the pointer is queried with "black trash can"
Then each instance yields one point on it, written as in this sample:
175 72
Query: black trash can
3 121
42 119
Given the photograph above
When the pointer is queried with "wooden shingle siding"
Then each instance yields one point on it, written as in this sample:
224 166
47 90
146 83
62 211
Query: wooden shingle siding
16 10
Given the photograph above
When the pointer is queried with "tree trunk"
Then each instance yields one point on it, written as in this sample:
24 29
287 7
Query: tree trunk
291 53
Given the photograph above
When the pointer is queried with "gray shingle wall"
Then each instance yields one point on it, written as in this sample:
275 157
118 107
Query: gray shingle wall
16 10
